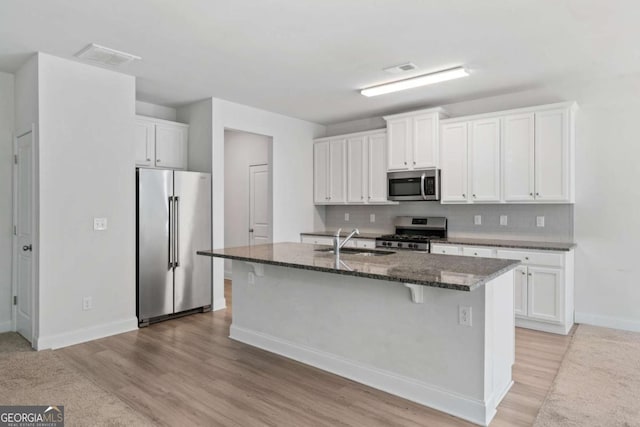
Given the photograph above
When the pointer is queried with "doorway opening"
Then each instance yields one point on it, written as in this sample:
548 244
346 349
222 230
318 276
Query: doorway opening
248 190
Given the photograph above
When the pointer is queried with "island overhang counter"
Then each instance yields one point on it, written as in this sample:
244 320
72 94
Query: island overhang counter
434 329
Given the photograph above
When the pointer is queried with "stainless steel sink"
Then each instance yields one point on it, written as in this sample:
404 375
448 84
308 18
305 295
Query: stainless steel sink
356 251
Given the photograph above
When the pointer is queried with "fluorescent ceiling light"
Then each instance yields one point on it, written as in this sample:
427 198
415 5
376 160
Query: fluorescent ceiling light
427 79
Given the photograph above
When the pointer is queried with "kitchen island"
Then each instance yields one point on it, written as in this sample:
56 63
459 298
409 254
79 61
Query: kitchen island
433 329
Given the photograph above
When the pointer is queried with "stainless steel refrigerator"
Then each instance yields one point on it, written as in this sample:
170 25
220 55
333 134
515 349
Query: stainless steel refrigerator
173 222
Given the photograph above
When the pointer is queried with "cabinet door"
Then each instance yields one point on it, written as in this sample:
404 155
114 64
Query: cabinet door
365 243
356 170
484 155
425 141
454 162
552 155
478 252
316 240
544 293
321 172
518 157
377 168
145 147
337 171
398 137
520 291
446 250
171 146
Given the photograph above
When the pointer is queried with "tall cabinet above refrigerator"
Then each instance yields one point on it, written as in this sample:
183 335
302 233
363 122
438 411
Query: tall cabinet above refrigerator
173 221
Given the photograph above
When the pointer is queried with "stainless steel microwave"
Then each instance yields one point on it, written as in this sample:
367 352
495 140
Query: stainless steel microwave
414 185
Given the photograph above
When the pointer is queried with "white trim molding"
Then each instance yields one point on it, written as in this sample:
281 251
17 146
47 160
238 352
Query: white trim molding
469 409
608 321
219 304
86 334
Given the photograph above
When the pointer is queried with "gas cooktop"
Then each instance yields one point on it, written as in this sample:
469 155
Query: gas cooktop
414 233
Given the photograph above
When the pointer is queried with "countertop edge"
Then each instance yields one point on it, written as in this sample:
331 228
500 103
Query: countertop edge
566 246
464 288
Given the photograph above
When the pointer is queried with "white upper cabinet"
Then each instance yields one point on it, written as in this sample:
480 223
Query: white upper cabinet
356 169
552 164
145 143
337 171
412 140
161 143
377 167
321 172
484 160
351 169
454 162
518 157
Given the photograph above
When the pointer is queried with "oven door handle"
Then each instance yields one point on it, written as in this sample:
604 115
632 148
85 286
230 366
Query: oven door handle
422 178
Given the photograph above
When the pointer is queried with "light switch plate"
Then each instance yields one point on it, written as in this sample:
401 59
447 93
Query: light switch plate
99 224
540 221
477 219
346 216
503 220
464 315
372 217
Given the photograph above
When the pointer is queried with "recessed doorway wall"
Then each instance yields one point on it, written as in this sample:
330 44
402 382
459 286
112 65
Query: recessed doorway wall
248 194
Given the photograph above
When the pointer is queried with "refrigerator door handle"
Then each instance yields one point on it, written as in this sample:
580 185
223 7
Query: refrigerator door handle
176 237
171 237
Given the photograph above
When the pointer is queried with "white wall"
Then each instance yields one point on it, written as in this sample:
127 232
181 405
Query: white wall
607 229
241 150
155 110
292 163
198 116
6 195
86 170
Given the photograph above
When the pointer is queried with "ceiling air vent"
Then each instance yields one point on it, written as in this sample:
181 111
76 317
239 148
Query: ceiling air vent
105 55
402 68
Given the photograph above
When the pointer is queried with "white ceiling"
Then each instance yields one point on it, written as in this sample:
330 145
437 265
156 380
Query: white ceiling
308 58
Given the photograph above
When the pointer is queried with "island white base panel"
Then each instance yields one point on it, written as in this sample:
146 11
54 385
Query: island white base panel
369 331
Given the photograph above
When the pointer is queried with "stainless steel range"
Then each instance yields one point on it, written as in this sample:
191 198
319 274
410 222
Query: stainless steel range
414 233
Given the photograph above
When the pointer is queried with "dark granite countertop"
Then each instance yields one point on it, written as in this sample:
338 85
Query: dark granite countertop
344 233
458 273
513 244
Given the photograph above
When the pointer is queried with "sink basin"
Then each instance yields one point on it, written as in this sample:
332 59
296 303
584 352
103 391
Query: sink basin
357 251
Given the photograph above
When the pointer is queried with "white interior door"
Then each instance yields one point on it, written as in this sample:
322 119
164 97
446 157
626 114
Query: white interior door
259 198
23 238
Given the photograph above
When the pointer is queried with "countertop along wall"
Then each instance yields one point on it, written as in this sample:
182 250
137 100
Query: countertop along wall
6 198
606 228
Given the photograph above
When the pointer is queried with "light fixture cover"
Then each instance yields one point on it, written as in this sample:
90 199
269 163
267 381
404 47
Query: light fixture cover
106 55
426 79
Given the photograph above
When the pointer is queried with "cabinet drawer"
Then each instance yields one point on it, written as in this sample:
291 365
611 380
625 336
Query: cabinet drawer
553 259
365 243
477 251
446 249
317 240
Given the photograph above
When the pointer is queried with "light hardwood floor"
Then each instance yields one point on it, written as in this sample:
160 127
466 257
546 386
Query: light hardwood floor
187 371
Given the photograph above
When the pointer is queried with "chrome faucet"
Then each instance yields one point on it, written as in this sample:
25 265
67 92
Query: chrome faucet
337 244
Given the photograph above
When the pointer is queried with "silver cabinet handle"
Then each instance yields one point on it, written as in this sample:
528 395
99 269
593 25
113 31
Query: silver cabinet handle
176 224
171 236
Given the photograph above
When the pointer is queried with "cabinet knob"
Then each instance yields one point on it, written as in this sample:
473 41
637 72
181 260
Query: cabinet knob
148 160
157 160
475 253
530 274
527 258
537 194
531 194
405 163
474 196
464 195
414 163
524 274
361 197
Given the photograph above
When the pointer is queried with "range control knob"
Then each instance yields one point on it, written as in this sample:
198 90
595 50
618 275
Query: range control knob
399 245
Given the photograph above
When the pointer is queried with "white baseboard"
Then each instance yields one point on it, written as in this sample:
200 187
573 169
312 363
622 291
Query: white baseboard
608 322
460 406
6 326
220 304
543 326
86 334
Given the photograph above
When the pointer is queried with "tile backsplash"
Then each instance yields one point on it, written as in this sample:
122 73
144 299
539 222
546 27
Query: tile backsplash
521 219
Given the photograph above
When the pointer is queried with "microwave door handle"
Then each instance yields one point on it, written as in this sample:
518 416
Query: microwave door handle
422 178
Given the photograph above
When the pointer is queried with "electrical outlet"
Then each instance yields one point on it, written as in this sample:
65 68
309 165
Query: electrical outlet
372 217
346 216
251 278
503 220
464 315
87 303
99 224
477 219
540 221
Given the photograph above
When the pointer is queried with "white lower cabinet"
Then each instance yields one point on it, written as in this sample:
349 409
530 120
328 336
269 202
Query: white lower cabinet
328 240
543 284
316 240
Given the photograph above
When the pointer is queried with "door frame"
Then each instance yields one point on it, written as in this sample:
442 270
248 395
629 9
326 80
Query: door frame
270 201
34 236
